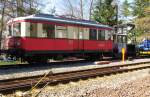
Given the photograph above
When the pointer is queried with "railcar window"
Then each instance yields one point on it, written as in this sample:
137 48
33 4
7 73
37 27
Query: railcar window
124 39
33 30
16 29
108 36
119 39
101 35
61 32
48 31
86 33
81 30
72 32
124 30
120 30
93 34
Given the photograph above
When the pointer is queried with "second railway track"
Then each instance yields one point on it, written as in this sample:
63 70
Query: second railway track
20 83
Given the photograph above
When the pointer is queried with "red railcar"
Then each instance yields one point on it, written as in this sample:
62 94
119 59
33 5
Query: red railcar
39 37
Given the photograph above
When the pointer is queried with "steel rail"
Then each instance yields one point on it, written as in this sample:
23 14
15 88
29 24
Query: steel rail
18 83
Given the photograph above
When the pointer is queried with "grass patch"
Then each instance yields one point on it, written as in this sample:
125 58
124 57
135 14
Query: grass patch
11 63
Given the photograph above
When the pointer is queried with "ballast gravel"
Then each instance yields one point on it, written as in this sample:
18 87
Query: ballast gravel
130 84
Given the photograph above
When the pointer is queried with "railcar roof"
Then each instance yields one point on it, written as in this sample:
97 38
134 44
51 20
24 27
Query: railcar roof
52 18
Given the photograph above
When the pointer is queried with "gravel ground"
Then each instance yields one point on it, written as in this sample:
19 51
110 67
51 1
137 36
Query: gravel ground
131 84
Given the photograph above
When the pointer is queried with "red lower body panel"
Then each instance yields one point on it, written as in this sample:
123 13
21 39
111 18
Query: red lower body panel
98 45
45 44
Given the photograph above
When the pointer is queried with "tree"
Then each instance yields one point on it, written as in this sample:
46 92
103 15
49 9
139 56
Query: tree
126 9
23 7
142 21
139 7
15 8
80 9
90 9
73 9
3 6
104 12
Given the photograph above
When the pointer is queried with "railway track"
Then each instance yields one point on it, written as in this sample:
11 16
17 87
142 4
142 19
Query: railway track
21 83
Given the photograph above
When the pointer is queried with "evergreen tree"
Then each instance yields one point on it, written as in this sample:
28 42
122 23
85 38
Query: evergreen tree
104 12
126 9
139 7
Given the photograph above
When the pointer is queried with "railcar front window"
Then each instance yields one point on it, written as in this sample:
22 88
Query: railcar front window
10 30
16 29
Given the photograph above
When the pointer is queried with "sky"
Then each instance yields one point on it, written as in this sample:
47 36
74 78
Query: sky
49 4
60 5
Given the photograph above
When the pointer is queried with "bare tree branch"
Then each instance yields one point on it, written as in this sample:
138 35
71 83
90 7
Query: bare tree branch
81 8
90 11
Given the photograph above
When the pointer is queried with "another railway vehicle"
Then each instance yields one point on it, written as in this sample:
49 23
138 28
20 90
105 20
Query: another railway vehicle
144 48
40 37
120 41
